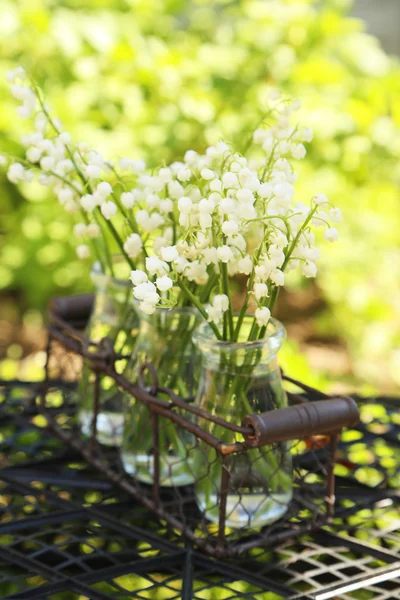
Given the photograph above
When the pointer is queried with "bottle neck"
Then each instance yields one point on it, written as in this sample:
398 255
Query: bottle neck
243 357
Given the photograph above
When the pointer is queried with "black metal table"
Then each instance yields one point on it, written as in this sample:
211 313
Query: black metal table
67 534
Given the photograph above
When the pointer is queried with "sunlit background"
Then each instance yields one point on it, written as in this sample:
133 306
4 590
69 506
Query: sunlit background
152 78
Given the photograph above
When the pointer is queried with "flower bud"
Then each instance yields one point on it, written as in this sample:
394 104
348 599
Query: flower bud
108 210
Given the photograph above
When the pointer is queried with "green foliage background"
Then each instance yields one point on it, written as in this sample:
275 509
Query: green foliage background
154 77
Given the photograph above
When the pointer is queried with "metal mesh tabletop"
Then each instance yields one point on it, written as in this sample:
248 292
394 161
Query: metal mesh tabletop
67 534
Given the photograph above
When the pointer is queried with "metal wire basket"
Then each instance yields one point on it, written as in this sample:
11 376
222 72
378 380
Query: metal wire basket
311 424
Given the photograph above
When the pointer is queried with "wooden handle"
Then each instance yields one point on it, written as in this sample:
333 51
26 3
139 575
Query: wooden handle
73 309
301 421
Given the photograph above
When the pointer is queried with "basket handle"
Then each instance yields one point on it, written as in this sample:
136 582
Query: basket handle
75 310
301 421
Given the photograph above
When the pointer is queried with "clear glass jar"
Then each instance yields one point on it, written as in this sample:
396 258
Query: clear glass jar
238 379
115 317
165 340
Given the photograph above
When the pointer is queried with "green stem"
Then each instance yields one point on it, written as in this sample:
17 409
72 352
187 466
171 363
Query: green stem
253 335
296 239
245 304
173 229
274 297
106 247
196 302
207 289
269 163
249 142
54 126
131 220
120 244
225 285
259 332
225 327
86 219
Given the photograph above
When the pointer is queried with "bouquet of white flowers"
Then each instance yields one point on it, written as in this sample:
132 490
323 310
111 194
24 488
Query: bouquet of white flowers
185 232
188 228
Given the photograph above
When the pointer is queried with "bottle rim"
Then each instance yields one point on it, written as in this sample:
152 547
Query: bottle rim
275 335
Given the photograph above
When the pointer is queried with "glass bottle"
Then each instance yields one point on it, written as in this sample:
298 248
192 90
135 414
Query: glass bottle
164 340
113 316
238 379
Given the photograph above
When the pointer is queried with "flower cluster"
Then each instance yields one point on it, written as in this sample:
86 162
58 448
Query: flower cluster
85 184
188 228
224 214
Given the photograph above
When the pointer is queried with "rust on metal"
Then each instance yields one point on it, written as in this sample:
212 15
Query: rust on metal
226 449
156 458
223 498
330 498
96 403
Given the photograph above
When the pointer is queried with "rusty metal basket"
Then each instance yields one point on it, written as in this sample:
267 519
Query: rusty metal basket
311 423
